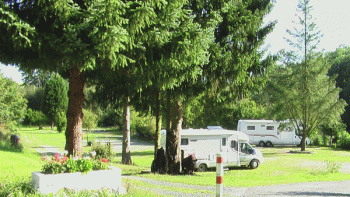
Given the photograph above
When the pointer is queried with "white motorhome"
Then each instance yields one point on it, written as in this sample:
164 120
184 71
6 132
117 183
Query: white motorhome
268 133
205 144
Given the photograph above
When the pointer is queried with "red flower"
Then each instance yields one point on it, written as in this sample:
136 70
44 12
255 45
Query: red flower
57 156
104 160
65 158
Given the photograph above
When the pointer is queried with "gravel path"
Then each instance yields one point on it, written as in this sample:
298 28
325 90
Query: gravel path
314 189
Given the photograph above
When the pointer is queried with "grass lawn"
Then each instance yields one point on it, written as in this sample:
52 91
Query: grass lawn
280 166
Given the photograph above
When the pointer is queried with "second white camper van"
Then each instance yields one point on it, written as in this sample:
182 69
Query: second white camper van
267 133
205 144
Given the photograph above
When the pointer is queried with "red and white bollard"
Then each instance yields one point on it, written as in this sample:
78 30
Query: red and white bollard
219 175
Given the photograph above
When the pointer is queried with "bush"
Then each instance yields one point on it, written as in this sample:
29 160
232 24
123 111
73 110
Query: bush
34 117
61 121
144 126
111 118
90 120
102 151
344 140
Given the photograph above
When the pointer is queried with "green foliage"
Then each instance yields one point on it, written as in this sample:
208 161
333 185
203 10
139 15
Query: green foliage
110 118
102 151
143 125
56 100
333 167
300 90
90 120
225 115
57 164
344 140
340 60
61 121
34 117
332 131
12 103
35 96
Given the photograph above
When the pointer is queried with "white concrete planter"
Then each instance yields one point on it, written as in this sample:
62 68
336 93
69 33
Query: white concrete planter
93 180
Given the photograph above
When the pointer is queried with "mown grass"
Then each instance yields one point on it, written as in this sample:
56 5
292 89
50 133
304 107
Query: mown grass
280 166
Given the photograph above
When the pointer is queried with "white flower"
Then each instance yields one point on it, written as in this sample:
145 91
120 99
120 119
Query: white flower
93 153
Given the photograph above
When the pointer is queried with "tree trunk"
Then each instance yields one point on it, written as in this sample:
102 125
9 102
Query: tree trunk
74 133
52 121
331 141
126 157
173 138
303 142
158 125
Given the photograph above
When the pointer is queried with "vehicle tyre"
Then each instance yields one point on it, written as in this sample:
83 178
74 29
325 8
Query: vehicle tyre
261 144
254 164
268 144
202 167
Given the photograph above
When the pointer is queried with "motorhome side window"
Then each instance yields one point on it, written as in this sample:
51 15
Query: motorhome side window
184 141
250 127
270 128
234 144
223 141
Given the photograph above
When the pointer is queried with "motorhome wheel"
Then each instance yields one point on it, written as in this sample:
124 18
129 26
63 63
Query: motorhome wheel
268 144
202 168
254 164
261 144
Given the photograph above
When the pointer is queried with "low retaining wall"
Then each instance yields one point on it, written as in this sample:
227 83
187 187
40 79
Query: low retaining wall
93 180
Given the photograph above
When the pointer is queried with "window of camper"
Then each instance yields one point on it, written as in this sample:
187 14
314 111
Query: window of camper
250 127
234 144
184 141
270 128
223 141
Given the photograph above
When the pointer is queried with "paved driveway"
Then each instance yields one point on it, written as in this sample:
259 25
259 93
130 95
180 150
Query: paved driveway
300 189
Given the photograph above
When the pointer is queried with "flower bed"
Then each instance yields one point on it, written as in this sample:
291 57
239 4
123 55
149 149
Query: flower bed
77 174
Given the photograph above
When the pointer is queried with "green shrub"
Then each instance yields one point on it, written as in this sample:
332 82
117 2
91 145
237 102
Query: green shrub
90 120
102 151
111 118
344 140
333 167
16 187
57 164
34 117
144 126
61 121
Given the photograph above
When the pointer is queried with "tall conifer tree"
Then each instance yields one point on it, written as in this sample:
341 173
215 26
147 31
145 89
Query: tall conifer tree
76 38
301 90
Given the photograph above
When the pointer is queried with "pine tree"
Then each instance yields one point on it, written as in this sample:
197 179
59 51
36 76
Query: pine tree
75 38
301 90
56 99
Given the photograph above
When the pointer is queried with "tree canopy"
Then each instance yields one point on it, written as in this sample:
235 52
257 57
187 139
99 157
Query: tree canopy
300 89
12 103
74 38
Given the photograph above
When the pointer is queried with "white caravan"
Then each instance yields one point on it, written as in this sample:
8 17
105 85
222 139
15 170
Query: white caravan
205 144
267 133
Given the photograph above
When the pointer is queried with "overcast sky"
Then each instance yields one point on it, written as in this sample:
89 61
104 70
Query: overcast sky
331 17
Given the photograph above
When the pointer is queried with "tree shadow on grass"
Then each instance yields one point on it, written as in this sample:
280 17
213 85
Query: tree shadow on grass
139 153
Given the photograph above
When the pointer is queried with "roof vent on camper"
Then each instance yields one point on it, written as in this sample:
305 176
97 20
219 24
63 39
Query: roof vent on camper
214 127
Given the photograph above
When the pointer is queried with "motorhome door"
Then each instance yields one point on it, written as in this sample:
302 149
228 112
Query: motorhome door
232 151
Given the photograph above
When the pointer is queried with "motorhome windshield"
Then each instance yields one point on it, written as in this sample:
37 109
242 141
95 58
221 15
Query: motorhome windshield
247 148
